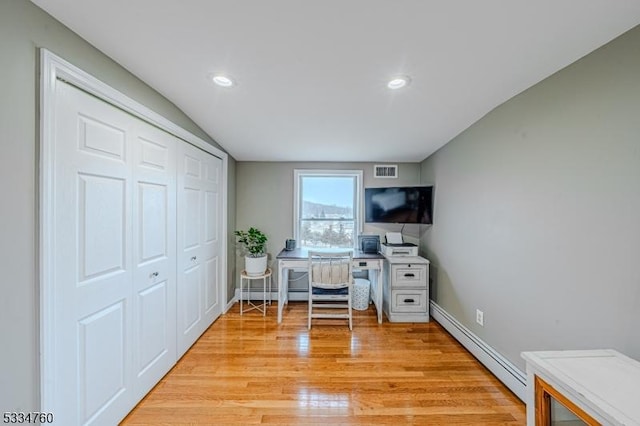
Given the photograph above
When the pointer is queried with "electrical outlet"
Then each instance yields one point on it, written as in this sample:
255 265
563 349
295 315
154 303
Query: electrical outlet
480 317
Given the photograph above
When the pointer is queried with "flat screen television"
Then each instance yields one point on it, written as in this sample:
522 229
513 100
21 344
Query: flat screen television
399 205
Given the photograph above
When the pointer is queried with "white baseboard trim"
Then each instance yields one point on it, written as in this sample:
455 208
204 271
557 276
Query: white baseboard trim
502 368
230 303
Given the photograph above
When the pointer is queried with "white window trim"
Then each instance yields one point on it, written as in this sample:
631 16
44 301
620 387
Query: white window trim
358 214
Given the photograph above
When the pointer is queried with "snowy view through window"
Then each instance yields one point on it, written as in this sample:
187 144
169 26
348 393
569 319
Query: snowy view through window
328 206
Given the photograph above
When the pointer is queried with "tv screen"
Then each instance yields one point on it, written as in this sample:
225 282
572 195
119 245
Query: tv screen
399 205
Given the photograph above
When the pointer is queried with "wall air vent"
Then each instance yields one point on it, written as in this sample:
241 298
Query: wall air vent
385 171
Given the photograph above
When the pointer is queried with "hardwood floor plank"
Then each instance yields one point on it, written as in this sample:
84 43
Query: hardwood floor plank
250 370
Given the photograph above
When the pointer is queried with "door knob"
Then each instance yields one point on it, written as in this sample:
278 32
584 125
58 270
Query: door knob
154 274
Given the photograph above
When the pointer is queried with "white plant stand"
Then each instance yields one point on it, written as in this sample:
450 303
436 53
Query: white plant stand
266 278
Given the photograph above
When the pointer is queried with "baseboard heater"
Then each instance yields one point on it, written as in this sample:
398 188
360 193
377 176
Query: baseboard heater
502 368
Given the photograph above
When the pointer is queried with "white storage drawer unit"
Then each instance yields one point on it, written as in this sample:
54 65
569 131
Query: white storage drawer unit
409 300
406 289
409 275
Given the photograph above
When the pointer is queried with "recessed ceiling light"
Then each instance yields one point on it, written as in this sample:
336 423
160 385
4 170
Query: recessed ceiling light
398 82
222 80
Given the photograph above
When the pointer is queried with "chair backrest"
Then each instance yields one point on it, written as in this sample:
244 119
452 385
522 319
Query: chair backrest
330 270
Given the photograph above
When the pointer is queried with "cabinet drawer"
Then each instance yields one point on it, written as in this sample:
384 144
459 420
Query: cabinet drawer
409 275
409 300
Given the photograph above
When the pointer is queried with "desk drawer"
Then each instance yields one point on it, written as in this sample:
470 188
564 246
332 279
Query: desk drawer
409 300
409 275
366 264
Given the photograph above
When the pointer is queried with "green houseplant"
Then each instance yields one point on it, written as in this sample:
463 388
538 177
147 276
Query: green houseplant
254 243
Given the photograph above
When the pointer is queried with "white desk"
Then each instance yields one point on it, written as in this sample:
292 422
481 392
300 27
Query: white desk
298 260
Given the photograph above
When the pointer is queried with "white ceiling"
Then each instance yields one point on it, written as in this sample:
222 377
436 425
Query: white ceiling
311 73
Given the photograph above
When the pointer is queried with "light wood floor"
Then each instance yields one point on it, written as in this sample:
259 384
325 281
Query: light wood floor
249 370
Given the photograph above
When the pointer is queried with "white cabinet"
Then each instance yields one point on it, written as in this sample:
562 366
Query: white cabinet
406 289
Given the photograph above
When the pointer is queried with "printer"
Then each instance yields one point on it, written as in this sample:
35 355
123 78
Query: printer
395 246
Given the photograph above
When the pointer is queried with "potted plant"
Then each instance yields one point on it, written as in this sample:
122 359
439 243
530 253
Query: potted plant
254 243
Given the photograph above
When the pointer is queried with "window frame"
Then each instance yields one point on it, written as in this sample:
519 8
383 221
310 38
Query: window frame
299 174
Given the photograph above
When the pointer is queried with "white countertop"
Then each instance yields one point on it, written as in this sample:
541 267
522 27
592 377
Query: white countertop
605 381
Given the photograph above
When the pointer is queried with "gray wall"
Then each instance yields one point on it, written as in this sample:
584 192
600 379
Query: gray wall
537 212
265 198
23 29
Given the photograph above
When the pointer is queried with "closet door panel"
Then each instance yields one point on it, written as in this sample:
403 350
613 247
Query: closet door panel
152 325
211 207
92 282
199 244
102 219
211 241
154 241
211 286
102 336
190 228
153 200
212 245
192 224
191 304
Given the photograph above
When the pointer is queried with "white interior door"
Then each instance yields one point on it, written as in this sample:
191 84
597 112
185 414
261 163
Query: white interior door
93 268
154 253
199 244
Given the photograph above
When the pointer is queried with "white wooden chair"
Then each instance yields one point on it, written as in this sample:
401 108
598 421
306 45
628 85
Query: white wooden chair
330 285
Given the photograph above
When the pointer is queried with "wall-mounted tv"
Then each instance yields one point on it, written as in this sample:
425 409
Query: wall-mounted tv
399 205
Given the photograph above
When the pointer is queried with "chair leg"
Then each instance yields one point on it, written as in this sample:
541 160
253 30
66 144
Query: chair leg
310 311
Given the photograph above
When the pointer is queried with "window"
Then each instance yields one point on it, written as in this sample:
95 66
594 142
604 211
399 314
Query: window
327 211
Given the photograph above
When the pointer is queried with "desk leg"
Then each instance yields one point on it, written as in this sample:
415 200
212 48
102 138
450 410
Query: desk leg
283 289
380 301
376 279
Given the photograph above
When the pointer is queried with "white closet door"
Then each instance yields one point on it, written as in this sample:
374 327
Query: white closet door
115 192
127 275
199 244
154 253
93 268
212 243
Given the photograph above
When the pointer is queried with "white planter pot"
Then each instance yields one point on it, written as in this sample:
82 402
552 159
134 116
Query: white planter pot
255 265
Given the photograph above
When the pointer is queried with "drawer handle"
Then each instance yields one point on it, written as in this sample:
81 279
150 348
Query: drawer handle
409 301
409 275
